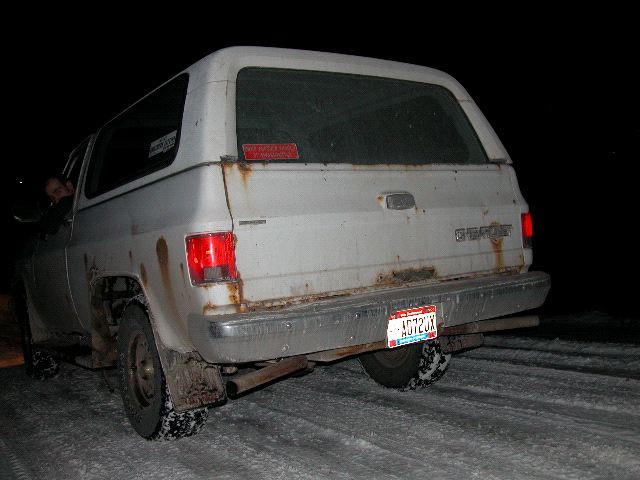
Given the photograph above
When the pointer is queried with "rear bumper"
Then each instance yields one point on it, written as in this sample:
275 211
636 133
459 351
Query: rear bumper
358 319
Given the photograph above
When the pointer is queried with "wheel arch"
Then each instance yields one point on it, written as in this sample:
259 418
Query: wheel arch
190 380
109 296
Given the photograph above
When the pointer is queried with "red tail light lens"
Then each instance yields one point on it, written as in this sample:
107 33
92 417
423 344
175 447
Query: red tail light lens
527 230
211 258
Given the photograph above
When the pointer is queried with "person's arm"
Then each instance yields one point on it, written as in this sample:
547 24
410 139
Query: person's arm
55 216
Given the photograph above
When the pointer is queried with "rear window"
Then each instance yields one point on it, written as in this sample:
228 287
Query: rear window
320 117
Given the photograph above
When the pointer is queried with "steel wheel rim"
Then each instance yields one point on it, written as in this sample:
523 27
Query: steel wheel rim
141 370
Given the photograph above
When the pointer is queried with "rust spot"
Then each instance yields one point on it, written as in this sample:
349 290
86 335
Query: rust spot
280 304
208 308
406 275
162 252
183 274
143 274
496 244
331 355
357 349
234 293
234 297
240 287
380 199
245 170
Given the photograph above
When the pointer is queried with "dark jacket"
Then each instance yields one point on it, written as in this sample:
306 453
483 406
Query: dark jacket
55 216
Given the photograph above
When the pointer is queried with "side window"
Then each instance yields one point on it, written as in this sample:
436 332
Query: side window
72 170
141 140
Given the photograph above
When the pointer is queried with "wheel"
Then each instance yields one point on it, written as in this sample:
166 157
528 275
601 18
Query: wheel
407 368
146 398
37 364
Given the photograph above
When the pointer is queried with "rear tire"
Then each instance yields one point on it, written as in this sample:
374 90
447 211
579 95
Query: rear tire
407 368
145 396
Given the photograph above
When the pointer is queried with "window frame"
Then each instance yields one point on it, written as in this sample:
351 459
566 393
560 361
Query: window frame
92 185
461 123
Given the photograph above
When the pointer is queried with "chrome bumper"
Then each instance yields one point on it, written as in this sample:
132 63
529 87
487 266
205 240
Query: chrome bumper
358 319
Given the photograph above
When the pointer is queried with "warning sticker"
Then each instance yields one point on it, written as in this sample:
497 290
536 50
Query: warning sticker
163 144
270 151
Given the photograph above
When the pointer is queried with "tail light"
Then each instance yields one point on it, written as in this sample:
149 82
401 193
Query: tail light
527 230
211 258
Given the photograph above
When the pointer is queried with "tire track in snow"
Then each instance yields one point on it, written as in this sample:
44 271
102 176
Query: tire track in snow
520 417
602 393
340 446
488 418
618 360
410 440
17 469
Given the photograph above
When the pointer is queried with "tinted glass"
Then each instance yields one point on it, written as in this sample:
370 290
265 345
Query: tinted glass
141 140
340 118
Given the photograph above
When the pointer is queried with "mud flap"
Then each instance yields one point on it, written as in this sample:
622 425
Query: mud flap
191 381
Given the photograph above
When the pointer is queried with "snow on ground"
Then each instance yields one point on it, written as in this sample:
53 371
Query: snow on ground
521 407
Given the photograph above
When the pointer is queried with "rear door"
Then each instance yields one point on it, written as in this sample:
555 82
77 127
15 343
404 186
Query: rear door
347 182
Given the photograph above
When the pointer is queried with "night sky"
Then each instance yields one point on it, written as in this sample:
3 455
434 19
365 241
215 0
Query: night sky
561 91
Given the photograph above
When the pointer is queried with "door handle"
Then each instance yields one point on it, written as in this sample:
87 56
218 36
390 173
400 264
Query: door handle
397 200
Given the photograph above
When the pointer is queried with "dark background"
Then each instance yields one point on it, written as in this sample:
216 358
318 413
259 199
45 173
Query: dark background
561 91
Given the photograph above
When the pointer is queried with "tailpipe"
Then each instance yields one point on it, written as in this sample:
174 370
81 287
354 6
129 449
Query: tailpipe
284 367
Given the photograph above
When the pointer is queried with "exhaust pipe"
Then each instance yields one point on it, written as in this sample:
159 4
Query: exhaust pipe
284 367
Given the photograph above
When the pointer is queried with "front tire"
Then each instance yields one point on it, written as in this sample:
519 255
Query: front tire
38 364
407 368
146 398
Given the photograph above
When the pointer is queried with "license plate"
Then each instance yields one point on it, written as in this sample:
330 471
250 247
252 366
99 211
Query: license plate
411 326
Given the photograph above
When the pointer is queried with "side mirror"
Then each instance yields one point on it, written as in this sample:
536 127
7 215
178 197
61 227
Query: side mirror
27 211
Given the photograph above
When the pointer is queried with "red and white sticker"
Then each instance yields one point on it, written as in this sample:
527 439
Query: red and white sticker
270 151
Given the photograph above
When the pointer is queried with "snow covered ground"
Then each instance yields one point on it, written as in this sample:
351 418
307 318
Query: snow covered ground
524 406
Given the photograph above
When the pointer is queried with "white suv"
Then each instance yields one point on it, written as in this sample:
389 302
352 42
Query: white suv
276 208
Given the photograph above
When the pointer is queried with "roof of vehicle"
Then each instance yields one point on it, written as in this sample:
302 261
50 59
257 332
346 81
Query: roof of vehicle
224 65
